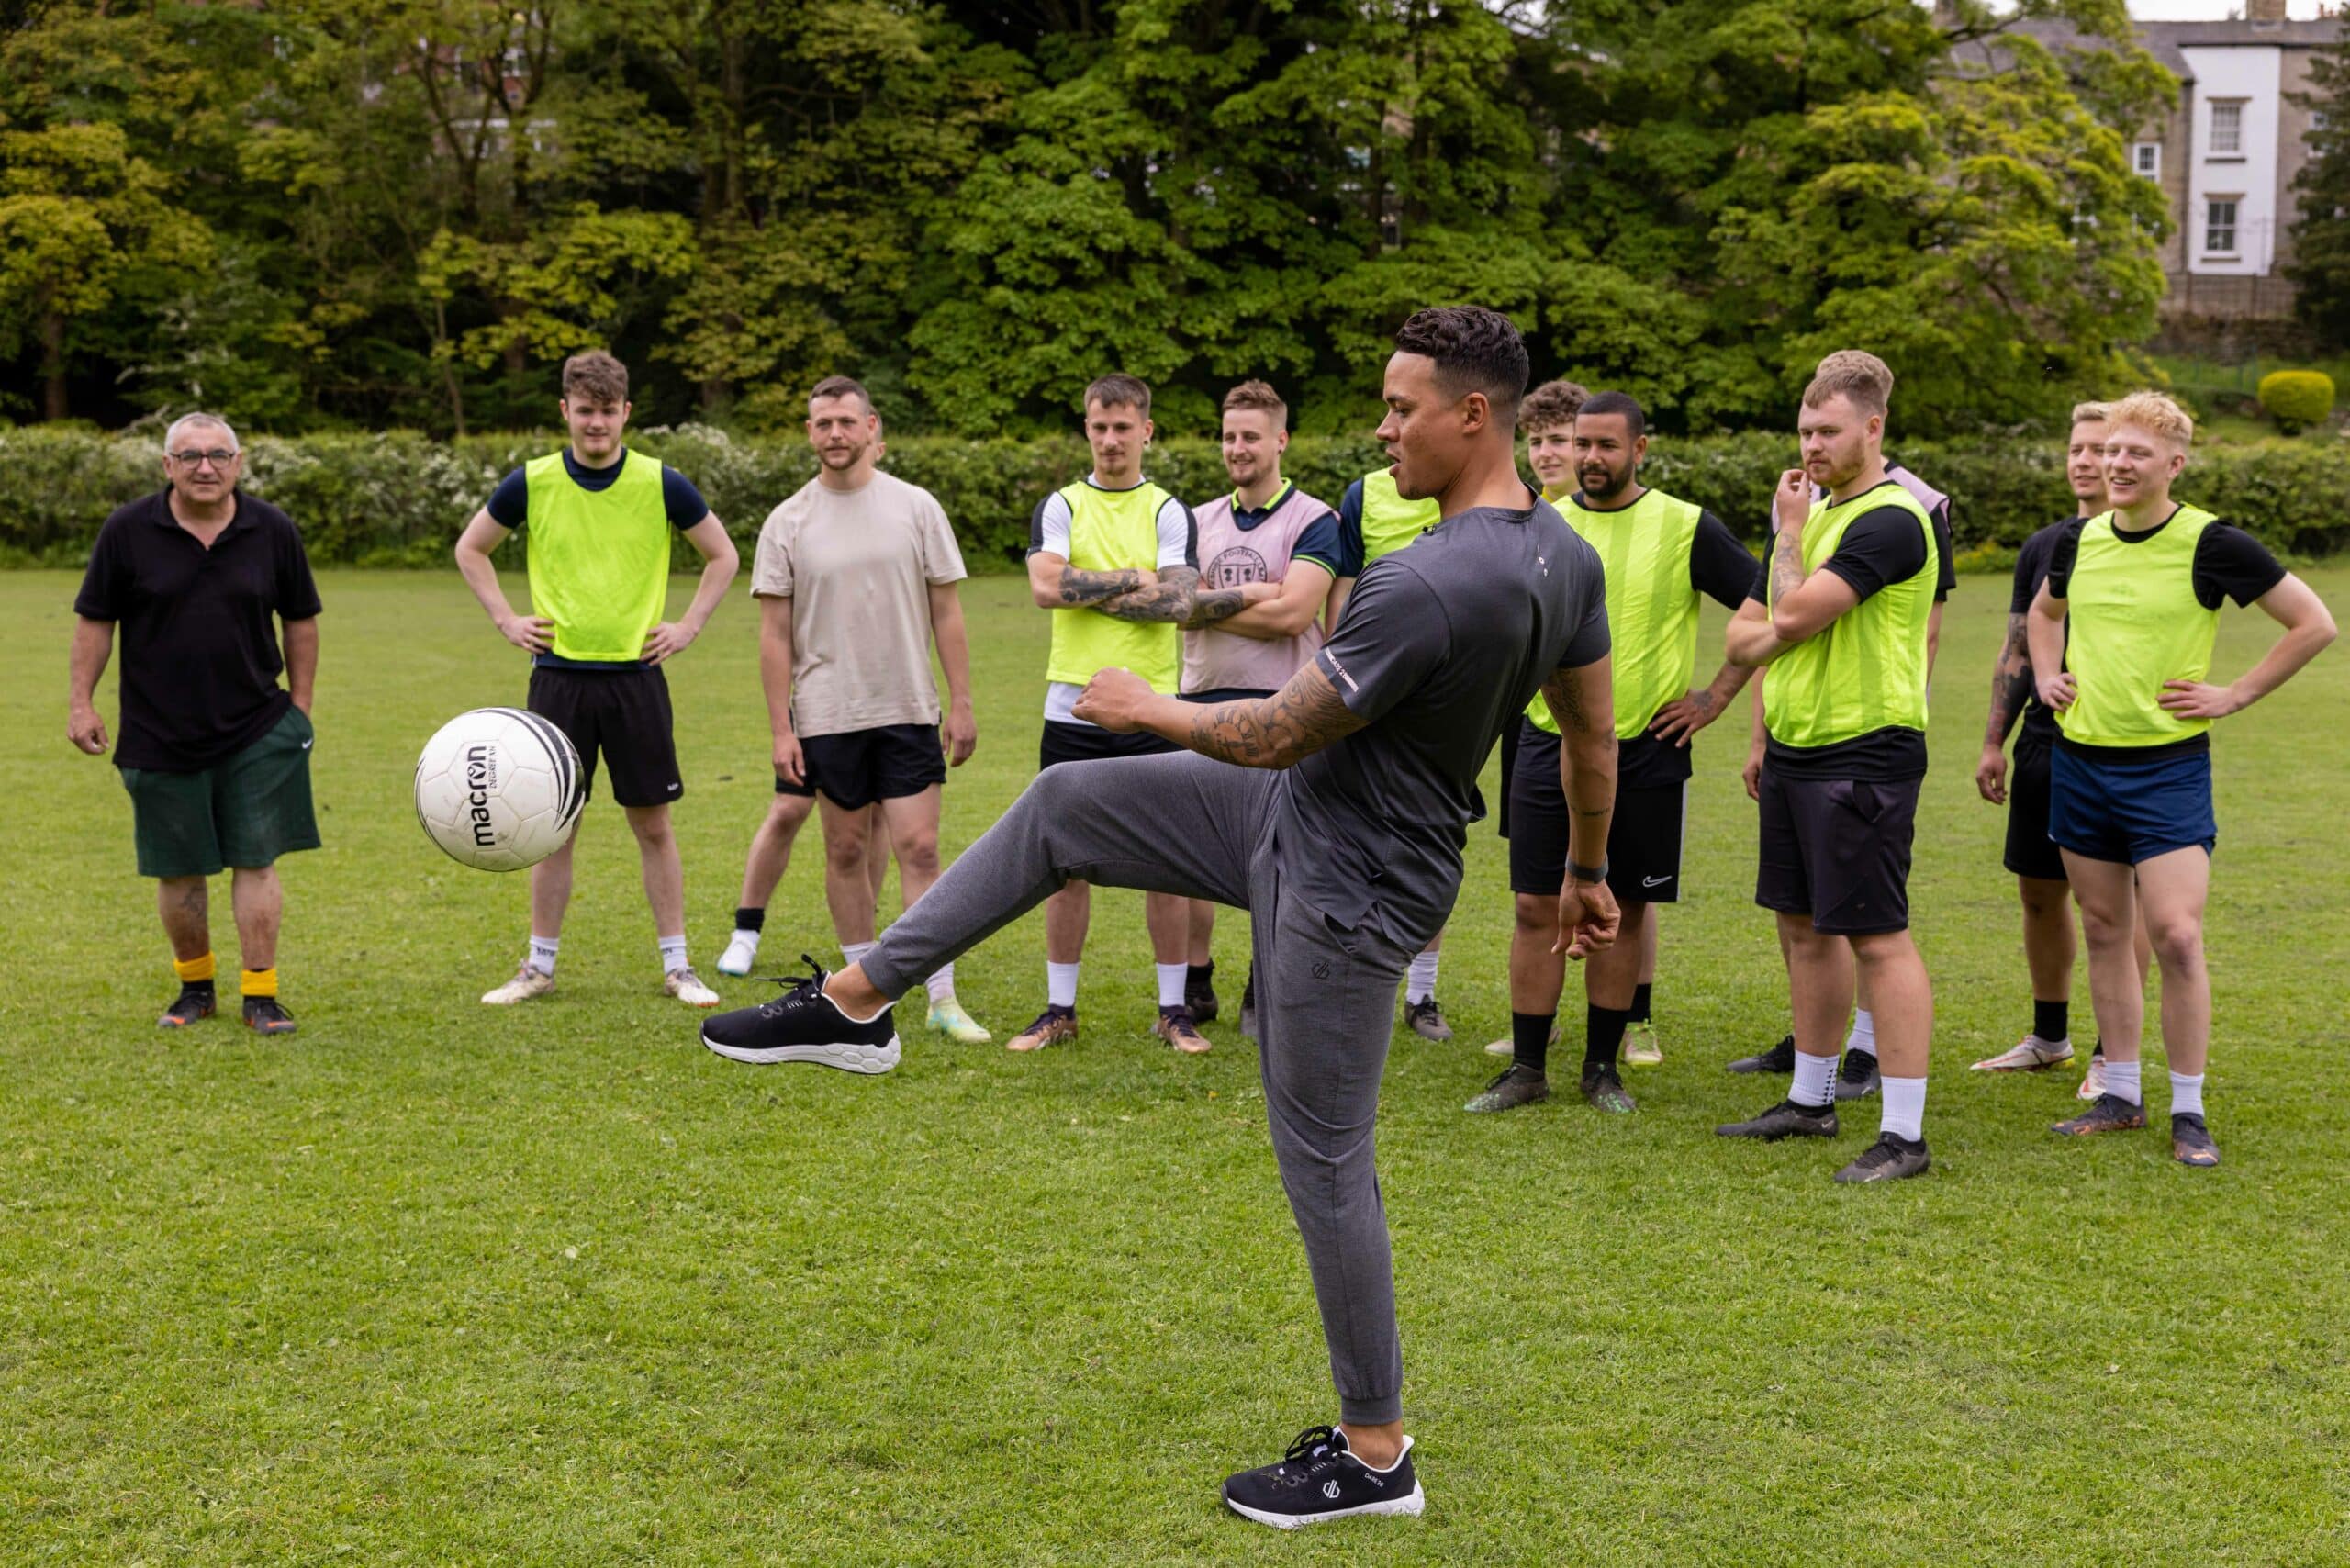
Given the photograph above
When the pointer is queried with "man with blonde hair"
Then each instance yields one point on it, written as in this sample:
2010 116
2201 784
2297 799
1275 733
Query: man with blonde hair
2129 800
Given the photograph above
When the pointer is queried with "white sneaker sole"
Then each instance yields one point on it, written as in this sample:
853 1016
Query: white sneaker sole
2008 1061
738 970
846 1054
1410 1505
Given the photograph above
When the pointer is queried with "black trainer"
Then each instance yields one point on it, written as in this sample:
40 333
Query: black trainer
1889 1158
2109 1114
1319 1478
1199 994
1605 1090
263 1015
2190 1141
1785 1119
802 1025
1856 1077
1780 1057
196 1000
1514 1086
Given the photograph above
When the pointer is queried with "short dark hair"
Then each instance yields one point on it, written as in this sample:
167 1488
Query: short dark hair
594 375
1111 391
1475 349
841 387
1259 395
1551 405
1635 419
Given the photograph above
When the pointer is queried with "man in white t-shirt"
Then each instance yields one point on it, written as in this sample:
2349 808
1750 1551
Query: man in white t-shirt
855 580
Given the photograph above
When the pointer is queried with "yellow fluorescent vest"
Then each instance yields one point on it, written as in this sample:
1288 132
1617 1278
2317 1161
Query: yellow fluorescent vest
2135 624
1112 530
1867 670
599 559
1651 608
1389 521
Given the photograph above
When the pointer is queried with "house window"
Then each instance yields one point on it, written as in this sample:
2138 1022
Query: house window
2227 130
2219 225
2147 158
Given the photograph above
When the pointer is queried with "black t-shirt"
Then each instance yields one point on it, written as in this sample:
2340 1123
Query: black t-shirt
199 657
2229 563
2031 570
1722 569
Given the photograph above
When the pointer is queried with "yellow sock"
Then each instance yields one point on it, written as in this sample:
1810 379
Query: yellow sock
192 971
259 982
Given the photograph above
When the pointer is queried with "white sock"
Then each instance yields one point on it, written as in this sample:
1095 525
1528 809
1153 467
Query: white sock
673 953
1170 983
853 952
1060 984
2121 1078
542 953
1815 1081
1419 979
941 984
1863 1038
1905 1107
2185 1094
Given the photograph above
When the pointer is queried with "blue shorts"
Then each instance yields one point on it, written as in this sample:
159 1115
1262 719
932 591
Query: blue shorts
2128 813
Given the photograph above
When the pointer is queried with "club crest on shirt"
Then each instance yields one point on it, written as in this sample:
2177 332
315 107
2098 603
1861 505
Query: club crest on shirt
1235 566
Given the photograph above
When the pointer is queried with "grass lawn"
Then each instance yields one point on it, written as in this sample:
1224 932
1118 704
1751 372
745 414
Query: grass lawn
434 1285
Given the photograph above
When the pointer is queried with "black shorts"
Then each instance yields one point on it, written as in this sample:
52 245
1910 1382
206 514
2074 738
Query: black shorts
1509 770
624 715
1838 850
1088 742
855 767
1643 837
2031 852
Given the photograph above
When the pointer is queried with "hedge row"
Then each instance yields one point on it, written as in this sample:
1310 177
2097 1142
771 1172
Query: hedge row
399 498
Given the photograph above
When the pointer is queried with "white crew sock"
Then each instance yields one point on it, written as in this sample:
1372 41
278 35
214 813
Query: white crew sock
2121 1078
2185 1094
1419 979
1863 1038
941 984
1905 1107
1815 1083
1060 984
1170 983
673 953
542 953
853 952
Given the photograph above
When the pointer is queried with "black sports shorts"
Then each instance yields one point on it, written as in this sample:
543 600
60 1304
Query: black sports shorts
622 715
1085 743
1838 850
855 767
1643 837
2031 852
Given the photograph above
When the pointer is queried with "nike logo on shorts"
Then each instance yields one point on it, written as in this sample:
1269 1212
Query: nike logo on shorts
1654 882
306 744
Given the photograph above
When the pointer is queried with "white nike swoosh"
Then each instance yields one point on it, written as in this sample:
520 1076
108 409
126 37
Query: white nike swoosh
306 744
1654 882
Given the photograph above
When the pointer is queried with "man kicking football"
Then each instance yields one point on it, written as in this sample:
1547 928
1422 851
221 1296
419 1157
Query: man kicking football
1341 831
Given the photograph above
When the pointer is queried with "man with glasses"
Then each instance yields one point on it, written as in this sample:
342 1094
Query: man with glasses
215 753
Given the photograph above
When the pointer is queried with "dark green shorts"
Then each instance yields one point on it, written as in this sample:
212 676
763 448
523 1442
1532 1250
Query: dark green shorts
245 812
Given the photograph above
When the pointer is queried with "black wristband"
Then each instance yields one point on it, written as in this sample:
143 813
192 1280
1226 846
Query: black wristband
1586 873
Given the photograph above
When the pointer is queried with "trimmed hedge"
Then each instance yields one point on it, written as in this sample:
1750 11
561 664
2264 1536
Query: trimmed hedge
2297 399
398 499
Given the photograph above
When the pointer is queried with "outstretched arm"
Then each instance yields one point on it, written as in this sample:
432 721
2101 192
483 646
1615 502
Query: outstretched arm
1260 731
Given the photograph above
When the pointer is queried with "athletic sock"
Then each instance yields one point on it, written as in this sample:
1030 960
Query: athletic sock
2121 1078
673 953
1815 1085
751 920
2185 1094
1060 985
542 956
1170 983
1529 1040
194 971
2050 1021
1905 1107
1864 1035
257 982
1603 1035
853 952
941 984
1199 974
1640 1001
1419 979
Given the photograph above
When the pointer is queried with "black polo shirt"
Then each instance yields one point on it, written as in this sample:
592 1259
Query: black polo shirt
200 656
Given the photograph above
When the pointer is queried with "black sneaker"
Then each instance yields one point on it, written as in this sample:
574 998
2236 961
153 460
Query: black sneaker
2111 1113
1780 1057
1318 1479
196 1000
1785 1119
1856 1077
1889 1158
1199 996
1248 1011
2190 1141
262 1015
1606 1090
1427 1019
802 1025
1514 1087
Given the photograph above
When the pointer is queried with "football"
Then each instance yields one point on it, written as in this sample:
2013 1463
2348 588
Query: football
498 789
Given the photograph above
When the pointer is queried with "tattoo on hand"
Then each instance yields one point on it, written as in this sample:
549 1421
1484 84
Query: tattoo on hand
1080 587
1274 731
1173 598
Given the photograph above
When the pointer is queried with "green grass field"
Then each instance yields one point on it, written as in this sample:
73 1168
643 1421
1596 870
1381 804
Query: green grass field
430 1284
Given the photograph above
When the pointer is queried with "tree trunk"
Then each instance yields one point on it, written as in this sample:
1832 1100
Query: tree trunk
52 367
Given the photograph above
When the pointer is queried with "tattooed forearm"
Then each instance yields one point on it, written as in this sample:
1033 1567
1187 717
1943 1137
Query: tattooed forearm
1172 598
1275 731
1786 564
1080 588
1213 605
2010 682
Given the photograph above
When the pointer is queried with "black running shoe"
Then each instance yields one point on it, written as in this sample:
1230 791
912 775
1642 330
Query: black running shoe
1514 1087
802 1025
1785 1119
196 1000
262 1015
2190 1141
2111 1113
1606 1090
1249 1010
1427 1019
1780 1057
1199 997
1856 1078
1318 1479
1889 1158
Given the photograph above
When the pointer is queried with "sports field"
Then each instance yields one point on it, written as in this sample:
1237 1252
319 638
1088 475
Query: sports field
434 1285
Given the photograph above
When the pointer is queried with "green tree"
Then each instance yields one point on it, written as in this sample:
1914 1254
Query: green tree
2320 266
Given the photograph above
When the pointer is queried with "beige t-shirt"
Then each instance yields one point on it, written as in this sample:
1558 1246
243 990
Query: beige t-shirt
857 567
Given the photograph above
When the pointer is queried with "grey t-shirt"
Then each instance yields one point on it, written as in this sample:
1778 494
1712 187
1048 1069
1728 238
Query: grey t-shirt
1441 647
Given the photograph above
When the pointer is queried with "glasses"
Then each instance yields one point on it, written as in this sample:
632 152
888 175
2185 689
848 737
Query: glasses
219 458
